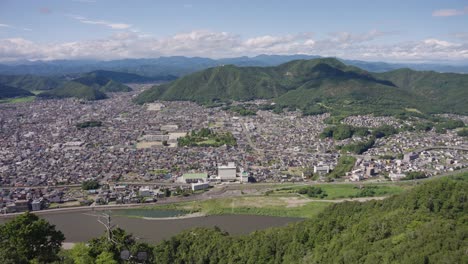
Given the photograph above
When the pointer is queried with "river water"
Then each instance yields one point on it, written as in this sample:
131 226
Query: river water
82 226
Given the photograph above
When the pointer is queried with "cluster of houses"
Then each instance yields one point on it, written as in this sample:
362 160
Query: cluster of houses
26 199
431 162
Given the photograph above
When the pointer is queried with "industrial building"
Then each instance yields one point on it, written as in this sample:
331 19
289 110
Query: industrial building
145 192
193 177
410 156
200 186
227 172
321 169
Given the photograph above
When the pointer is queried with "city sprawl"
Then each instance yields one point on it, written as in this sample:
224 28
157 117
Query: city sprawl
43 151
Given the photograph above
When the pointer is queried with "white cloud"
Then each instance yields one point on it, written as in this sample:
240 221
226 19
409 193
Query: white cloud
84 20
12 27
347 37
439 43
204 43
450 12
461 35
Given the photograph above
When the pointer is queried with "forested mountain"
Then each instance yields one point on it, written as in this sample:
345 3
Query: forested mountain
102 83
321 85
30 82
76 90
89 87
12 92
445 91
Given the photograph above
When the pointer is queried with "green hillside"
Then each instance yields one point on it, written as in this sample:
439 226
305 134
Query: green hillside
445 92
319 85
12 92
88 87
102 83
30 82
74 89
218 84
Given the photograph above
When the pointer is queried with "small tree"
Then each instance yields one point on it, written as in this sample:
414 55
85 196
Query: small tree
80 254
28 238
90 185
106 258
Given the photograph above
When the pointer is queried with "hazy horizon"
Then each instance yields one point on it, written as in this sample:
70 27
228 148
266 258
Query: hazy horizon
392 31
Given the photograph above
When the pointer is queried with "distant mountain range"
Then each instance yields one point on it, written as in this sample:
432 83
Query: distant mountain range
166 68
313 85
322 85
89 86
124 77
92 86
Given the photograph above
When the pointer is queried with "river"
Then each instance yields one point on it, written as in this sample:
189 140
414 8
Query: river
82 226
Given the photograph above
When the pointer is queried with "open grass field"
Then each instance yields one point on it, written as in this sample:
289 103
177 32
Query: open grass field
18 100
252 205
340 191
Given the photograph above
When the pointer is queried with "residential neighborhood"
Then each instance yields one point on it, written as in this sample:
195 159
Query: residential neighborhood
45 155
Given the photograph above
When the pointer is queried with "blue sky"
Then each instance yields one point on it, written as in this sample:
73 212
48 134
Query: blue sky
416 30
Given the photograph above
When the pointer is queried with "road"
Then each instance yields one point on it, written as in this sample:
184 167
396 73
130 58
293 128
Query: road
260 152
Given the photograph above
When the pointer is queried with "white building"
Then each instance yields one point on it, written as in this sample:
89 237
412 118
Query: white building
36 205
200 186
193 178
396 176
227 172
322 169
244 177
145 191
169 128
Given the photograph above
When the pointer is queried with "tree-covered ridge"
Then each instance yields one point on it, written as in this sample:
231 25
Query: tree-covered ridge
30 82
74 89
319 85
446 91
88 87
102 83
11 92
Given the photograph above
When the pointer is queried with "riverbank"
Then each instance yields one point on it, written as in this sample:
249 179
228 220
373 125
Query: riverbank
272 200
187 216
